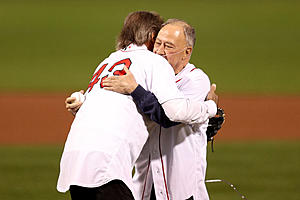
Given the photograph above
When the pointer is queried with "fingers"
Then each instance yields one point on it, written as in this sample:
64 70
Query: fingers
118 86
71 103
75 105
109 82
124 84
110 78
113 81
70 100
212 95
116 79
213 87
114 86
126 70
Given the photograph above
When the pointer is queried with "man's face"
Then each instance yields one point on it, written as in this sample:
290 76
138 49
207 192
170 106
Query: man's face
171 44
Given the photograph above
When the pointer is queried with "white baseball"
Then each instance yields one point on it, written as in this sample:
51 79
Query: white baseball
79 96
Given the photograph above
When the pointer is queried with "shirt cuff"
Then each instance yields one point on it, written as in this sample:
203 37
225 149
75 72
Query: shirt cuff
138 93
211 108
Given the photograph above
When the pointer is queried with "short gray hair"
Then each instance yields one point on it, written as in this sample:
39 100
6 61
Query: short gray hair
189 31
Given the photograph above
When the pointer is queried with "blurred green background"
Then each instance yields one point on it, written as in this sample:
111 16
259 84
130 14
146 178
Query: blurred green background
259 170
246 47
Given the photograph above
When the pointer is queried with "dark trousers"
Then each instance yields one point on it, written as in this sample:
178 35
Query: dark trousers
114 190
152 196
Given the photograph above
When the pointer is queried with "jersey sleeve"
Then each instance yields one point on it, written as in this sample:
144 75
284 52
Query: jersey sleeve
162 80
176 107
193 110
196 86
188 111
149 105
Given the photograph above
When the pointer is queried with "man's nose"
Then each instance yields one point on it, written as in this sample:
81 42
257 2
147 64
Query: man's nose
160 50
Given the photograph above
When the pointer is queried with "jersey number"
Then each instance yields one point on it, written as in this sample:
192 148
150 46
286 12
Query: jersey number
99 75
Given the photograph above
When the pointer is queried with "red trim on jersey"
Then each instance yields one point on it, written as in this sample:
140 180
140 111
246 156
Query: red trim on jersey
162 165
102 79
96 78
178 80
193 69
146 177
126 62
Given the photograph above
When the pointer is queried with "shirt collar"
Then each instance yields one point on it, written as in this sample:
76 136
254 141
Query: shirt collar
186 68
134 47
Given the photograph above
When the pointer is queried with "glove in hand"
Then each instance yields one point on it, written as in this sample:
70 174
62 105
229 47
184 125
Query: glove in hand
215 123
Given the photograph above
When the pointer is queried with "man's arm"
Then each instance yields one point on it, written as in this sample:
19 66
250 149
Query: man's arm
180 110
145 101
190 112
149 105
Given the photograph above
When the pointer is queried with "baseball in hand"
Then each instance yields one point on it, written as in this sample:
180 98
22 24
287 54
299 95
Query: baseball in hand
79 96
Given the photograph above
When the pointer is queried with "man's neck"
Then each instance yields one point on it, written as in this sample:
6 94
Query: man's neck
178 69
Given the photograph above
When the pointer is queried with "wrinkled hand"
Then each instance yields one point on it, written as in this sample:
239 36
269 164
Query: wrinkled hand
212 95
125 84
72 105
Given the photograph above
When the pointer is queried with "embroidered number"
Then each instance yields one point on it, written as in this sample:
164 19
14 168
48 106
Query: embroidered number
95 77
100 75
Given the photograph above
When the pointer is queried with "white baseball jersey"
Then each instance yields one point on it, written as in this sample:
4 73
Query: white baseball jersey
174 159
108 132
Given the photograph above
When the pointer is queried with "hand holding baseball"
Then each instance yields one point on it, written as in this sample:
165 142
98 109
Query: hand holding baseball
74 102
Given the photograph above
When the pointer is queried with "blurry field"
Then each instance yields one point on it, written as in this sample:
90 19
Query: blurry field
262 170
29 172
244 46
259 170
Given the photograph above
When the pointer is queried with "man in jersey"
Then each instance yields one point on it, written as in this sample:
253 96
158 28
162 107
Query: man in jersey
173 159
108 132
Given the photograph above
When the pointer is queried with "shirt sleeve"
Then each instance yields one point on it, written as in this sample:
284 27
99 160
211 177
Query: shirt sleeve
161 80
188 111
149 105
196 85
178 110
176 107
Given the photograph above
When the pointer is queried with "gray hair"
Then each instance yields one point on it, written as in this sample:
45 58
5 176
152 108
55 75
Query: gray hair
188 30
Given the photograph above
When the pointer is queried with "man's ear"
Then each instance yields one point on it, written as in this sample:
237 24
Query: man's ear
188 51
150 43
153 36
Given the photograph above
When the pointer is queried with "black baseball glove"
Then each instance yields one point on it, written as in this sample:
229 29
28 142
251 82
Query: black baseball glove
215 123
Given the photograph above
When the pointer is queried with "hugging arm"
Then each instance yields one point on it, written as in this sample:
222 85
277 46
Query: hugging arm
177 110
149 105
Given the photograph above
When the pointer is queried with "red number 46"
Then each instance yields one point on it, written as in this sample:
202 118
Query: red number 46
98 75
